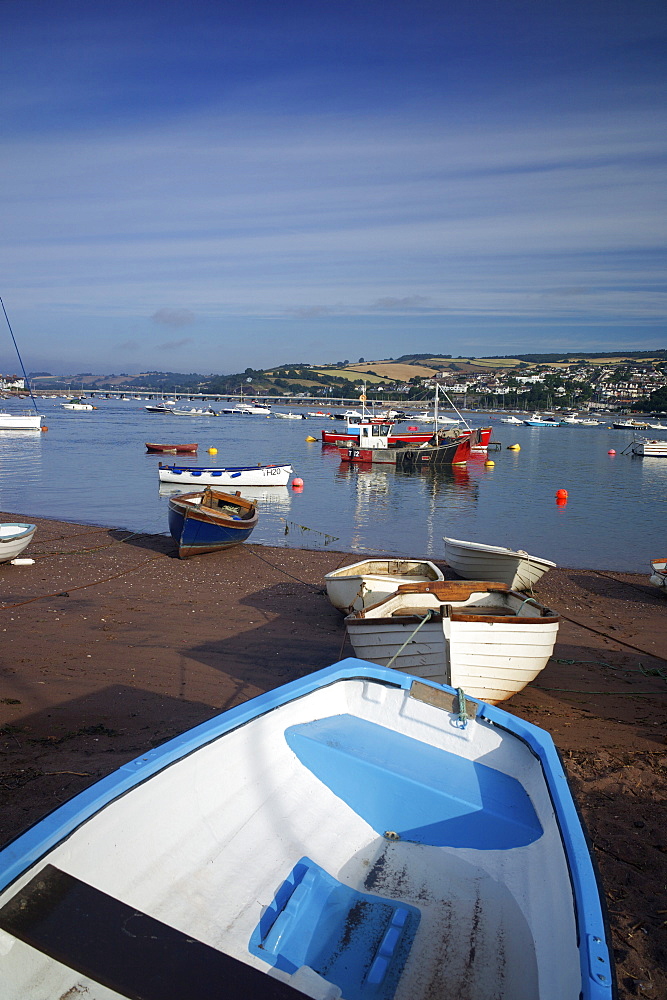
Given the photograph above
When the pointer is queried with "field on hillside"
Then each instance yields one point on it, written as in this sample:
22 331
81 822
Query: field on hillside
386 370
403 371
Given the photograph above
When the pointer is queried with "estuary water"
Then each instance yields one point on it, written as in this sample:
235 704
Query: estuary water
93 468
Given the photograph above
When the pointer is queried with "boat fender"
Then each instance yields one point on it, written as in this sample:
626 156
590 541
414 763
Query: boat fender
45 428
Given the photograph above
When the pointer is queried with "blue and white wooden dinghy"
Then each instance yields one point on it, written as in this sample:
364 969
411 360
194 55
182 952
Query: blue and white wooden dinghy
231 475
209 521
357 833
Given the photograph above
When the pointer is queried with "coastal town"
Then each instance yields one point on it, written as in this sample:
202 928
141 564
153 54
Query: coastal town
601 383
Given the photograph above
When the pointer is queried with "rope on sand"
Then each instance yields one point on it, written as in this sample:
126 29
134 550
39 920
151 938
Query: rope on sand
612 638
641 669
644 671
304 528
618 694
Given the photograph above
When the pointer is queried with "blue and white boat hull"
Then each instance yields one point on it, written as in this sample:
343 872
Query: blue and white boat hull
356 833
210 521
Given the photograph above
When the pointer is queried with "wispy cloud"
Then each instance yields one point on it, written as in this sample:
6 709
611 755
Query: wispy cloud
175 345
309 312
173 317
406 304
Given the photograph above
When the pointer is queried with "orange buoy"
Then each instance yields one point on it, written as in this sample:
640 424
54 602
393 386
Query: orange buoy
45 428
297 484
611 451
561 494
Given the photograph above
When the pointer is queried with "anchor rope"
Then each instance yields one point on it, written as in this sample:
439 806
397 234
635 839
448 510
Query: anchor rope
427 617
463 711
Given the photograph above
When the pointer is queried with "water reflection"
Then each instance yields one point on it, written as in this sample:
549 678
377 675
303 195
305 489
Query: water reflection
278 497
20 461
654 474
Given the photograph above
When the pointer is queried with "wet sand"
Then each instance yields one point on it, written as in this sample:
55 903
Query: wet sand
112 645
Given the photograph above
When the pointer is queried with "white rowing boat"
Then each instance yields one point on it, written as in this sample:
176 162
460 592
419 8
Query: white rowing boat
14 538
659 573
232 475
475 561
351 588
479 636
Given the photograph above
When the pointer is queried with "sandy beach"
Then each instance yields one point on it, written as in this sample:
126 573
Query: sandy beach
111 645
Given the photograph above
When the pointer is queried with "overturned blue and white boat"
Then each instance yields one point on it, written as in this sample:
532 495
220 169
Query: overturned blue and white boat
357 833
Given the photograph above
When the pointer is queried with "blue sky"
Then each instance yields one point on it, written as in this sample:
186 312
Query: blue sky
210 186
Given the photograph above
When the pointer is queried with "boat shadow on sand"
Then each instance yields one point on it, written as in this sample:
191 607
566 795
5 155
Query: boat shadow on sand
612 589
59 750
143 540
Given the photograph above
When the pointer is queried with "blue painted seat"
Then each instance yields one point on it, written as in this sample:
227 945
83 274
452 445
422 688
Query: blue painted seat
356 940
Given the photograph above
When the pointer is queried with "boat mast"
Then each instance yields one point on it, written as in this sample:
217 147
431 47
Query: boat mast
453 406
25 376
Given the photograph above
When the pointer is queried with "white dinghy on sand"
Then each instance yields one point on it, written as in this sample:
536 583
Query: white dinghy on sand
354 587
475 561
479 636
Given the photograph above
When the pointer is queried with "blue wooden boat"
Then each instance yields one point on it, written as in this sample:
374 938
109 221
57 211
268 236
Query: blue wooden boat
209 521
357 833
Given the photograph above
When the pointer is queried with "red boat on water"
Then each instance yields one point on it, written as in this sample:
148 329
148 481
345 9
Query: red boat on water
172 449
451 447
405 438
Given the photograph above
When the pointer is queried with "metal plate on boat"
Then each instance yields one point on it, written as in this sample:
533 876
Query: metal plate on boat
441 699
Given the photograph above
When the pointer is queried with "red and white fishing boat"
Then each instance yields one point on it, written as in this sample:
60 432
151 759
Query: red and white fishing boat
410 436
451 447
396 437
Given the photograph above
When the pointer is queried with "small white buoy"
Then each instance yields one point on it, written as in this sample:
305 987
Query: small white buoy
23 562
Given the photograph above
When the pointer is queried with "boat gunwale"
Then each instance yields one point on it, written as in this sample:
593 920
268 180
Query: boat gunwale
18 535
220 468
466 588
189 509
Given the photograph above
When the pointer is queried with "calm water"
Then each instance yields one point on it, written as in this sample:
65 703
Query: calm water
92 467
